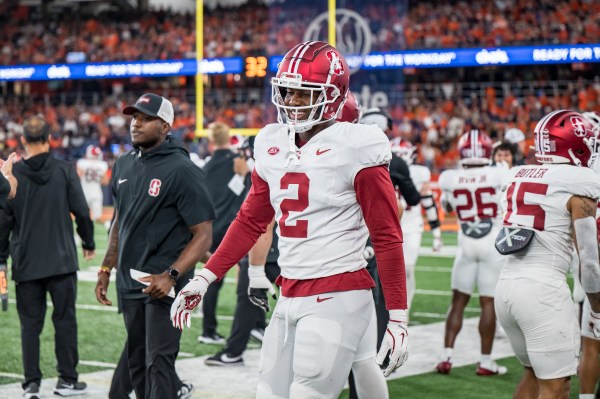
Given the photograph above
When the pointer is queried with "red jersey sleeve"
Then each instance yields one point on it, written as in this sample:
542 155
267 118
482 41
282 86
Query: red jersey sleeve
251 221
377 199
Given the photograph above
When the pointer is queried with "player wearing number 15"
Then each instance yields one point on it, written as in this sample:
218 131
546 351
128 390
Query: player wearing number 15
473 192
546 205
327 185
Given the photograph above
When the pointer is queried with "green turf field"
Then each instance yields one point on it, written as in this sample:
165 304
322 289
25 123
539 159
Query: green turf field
101 334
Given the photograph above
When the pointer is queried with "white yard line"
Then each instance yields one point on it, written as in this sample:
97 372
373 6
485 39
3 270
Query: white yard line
98 364
435 269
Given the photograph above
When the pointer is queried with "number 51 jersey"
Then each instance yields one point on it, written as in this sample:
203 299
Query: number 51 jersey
320 223
535 197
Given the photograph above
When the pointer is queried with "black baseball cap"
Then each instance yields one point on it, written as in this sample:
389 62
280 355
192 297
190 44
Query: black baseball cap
153 105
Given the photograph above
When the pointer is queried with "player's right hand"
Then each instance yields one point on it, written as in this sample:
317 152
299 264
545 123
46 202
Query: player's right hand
595 323
190 297
102 289
259 286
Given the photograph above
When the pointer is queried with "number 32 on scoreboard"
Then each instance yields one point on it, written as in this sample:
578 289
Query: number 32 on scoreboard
256 67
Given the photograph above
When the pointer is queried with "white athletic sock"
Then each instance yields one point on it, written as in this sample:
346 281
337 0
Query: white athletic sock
448 353
586 396
486 362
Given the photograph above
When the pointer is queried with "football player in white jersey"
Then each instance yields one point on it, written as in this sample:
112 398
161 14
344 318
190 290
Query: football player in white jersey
92 173
473 192
546 207
412 220
324 182
589 366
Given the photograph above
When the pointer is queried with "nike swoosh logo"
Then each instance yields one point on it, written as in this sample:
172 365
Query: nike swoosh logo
319 299
122 181
321 152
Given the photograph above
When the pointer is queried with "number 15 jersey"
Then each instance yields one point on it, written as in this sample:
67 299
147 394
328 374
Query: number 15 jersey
320 223
535 197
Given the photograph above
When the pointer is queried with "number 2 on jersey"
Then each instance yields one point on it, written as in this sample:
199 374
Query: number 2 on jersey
522 212
300 229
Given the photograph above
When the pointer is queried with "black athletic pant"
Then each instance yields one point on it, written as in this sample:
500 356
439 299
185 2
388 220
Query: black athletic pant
120 385
209 308
152 345
31 306
247 316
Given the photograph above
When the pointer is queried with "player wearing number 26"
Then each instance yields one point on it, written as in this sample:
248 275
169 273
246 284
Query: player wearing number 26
546 206
327 185
473 192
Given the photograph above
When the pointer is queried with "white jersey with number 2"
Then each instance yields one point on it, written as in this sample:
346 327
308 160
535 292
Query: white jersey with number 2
320 223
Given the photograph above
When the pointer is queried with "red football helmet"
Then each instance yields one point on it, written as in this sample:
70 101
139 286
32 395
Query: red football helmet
318 68
93 152
404 149
475 148
351 111
565 136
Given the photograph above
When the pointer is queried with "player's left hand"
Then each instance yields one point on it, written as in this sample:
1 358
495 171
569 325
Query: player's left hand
190 297
595 323
437 239
394 347
160 285
259 286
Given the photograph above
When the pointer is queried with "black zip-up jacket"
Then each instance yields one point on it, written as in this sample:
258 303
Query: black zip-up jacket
39 217
219 171
4 190
158 195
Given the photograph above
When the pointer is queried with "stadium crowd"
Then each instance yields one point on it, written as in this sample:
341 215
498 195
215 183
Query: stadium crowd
29 36
431 120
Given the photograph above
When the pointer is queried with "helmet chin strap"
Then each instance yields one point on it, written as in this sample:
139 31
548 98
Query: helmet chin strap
292 155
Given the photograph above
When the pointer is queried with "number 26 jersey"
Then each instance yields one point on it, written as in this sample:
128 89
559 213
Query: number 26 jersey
320 223
535 197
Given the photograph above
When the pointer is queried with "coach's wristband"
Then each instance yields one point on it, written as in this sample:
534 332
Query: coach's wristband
104 269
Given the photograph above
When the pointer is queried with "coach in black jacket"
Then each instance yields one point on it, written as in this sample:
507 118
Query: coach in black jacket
162 227
44 257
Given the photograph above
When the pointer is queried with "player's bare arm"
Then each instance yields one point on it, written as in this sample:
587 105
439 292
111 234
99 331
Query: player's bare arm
194 251
583 212
109 263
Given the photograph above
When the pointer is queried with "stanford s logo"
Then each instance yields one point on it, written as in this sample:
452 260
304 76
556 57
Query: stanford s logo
336 63
578 126
154 189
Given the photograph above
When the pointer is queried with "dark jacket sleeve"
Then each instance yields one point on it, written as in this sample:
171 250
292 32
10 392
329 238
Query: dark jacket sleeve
4 190
400 175
78 207
6 225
